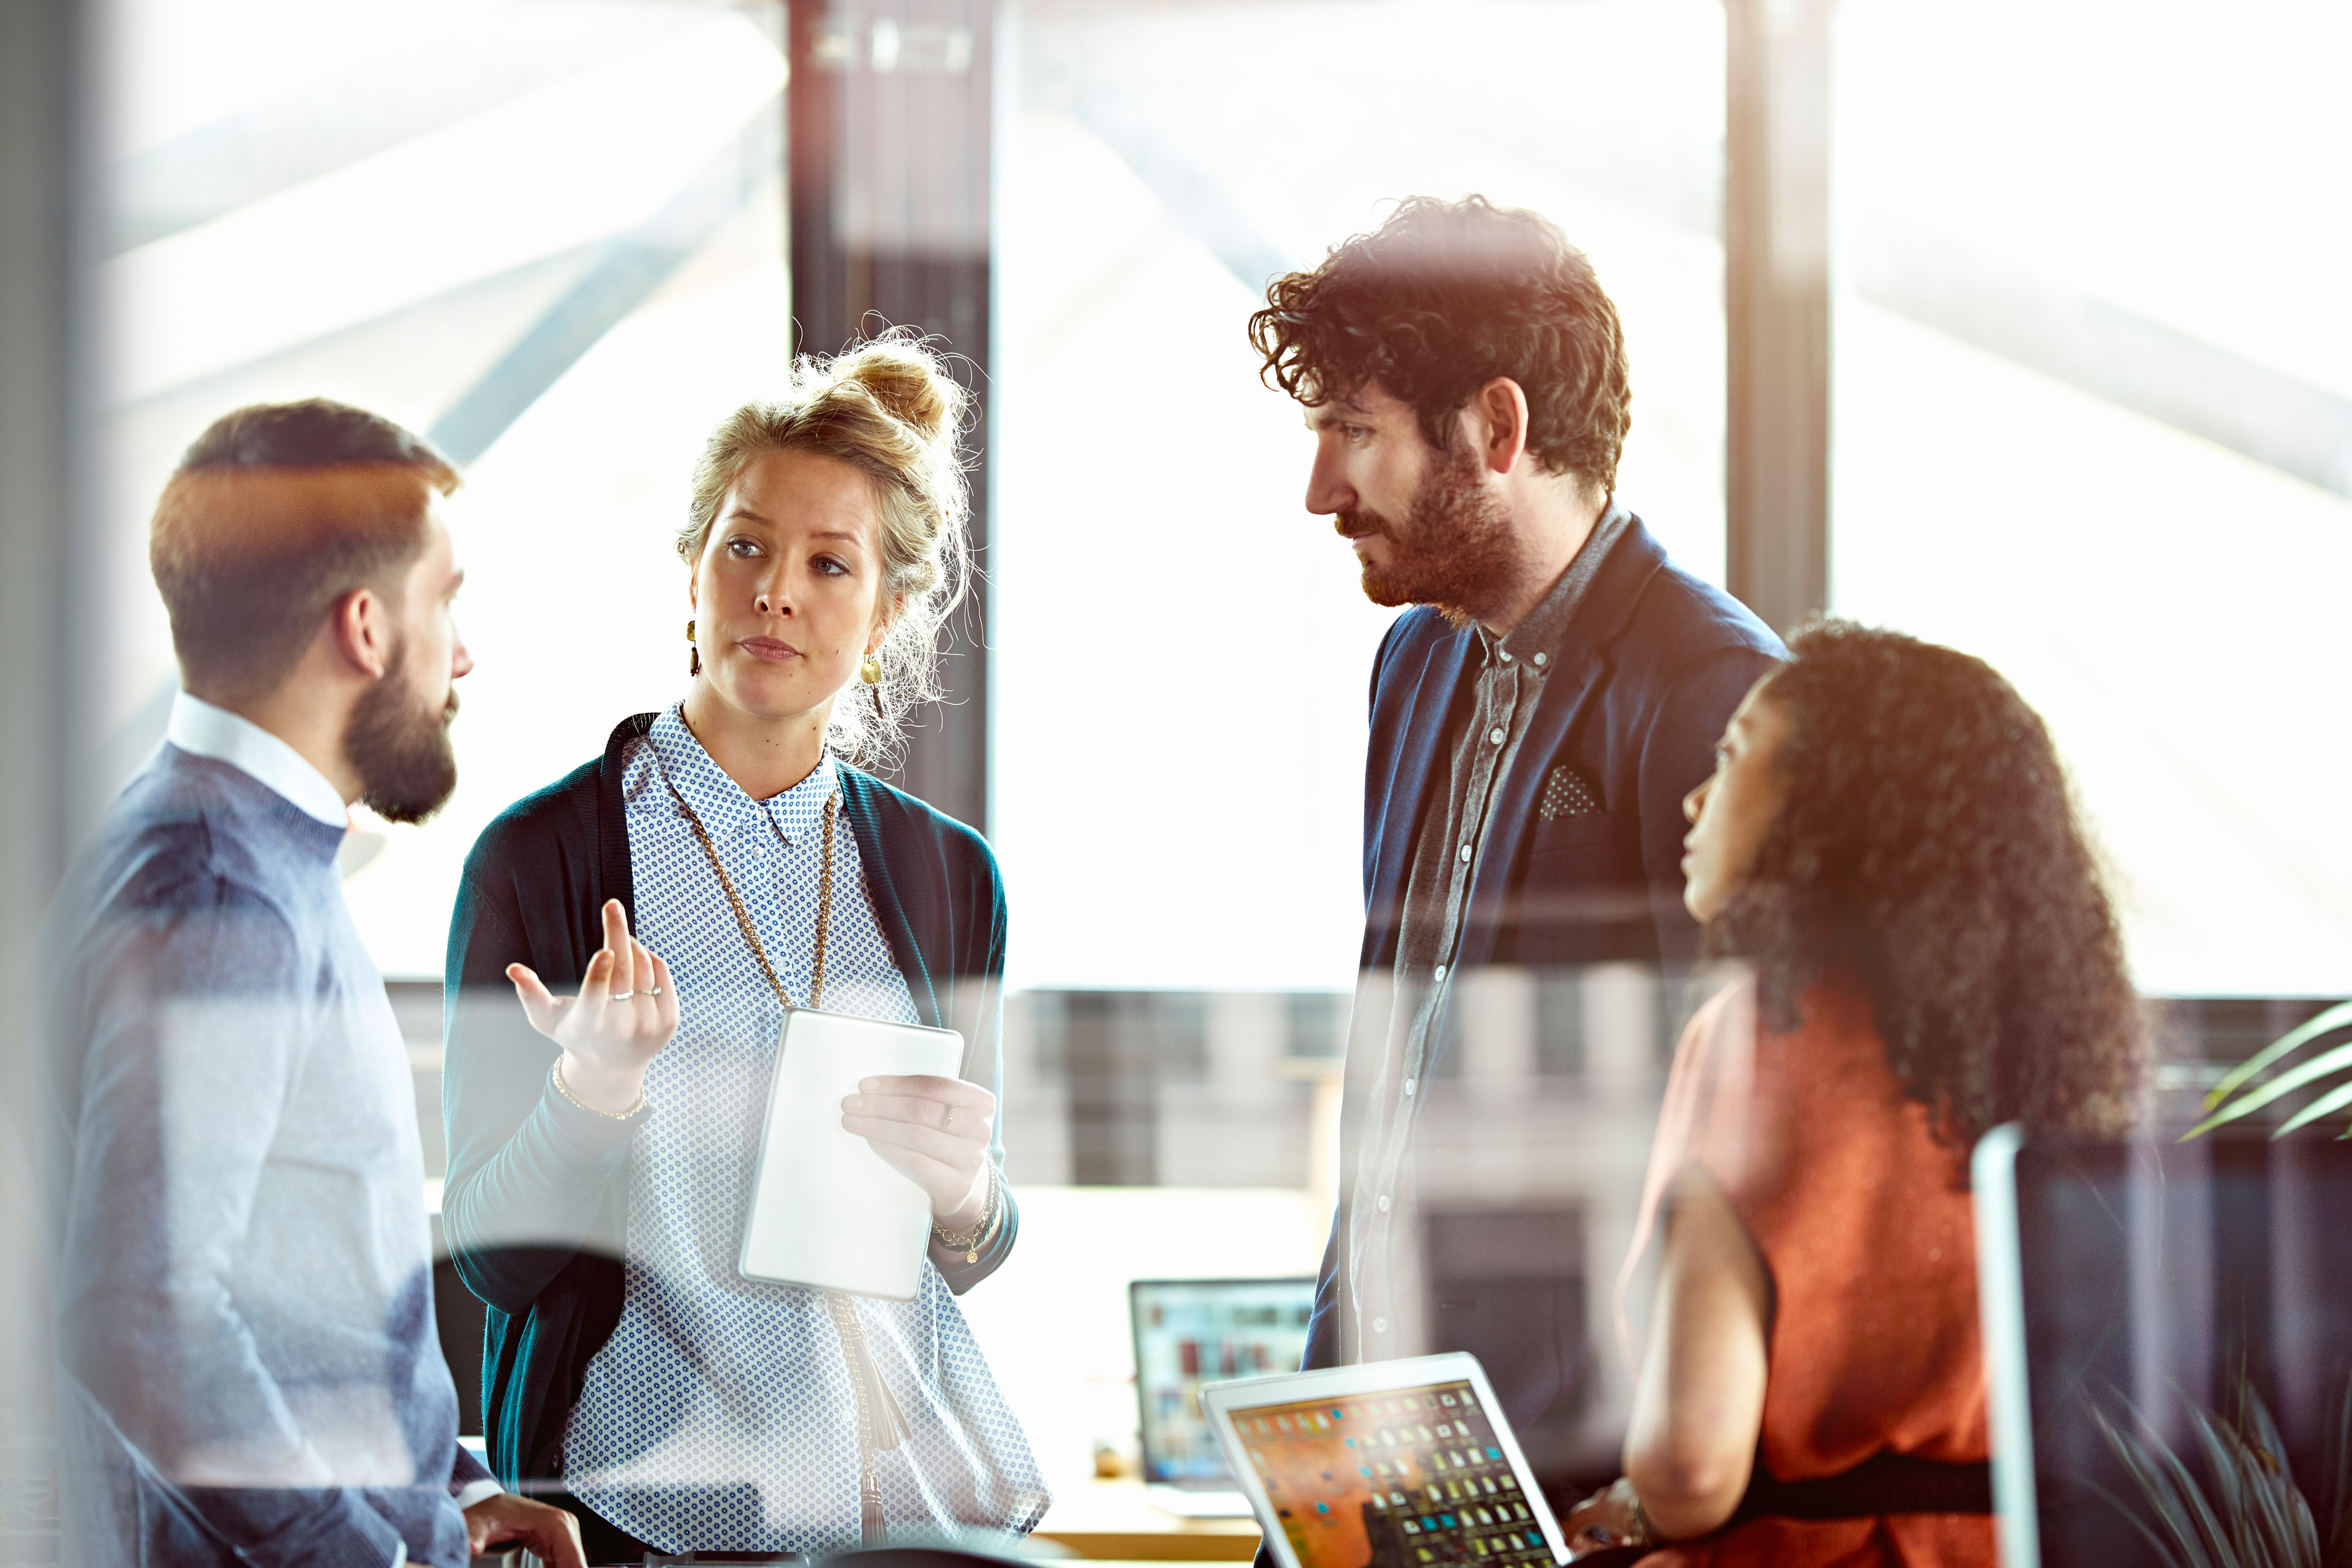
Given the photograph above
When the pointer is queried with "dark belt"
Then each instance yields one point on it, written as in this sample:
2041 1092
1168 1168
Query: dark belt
1885 1483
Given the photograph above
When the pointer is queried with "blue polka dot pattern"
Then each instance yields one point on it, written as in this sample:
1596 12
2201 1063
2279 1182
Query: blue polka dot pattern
719 1414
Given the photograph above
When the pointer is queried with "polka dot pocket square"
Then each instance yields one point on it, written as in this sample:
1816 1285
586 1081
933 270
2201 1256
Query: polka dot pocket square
1567 792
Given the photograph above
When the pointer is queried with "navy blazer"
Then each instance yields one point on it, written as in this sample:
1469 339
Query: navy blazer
1652 664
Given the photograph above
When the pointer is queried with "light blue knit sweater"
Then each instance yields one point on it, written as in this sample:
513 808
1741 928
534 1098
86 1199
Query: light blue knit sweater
242 1285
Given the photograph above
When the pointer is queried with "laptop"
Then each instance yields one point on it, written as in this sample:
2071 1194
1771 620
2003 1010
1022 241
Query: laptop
1393 1464
1192 1331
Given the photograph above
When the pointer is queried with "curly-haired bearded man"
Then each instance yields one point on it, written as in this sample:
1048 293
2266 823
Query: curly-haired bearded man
1536 718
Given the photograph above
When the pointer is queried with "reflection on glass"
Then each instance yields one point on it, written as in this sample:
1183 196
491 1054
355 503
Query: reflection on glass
549 235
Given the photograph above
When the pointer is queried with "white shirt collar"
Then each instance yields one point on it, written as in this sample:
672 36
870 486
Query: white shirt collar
208 731
718 801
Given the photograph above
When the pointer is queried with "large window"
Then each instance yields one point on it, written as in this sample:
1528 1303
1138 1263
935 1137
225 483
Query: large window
550 235
2093 385
2092 371
1182 651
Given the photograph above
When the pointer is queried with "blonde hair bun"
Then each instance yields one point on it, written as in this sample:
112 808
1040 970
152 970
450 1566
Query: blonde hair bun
888 408
909 379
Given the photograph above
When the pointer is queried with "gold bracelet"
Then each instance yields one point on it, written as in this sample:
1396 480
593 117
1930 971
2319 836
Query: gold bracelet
969 1245
555 1076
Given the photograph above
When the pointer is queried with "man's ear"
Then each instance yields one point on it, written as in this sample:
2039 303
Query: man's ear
360 628
1498 416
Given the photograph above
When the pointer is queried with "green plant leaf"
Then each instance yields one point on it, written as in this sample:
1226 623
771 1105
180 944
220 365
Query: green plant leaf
2248 1510
2253 1100
2336 1017
2164 1482
2338 1549
2334 1100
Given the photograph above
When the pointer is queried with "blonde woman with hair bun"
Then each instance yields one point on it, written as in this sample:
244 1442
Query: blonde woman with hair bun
653 911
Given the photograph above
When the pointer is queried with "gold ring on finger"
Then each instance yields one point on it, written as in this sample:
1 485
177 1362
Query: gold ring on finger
650 991
949 1120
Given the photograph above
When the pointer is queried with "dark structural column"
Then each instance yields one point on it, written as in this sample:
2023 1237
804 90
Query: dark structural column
889 130
1777 298
48 645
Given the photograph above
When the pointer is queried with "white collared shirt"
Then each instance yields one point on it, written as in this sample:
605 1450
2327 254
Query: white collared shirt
205 730
719 1412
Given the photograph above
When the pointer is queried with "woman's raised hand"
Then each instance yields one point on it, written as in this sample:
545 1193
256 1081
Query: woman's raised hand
625 1013
937 1129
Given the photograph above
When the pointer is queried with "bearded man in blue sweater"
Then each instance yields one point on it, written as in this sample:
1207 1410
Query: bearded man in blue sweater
250 1372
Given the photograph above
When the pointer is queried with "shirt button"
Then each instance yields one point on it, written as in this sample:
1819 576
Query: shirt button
1408 1090
1466 852
1380 1325
1441 971
1385 1203
1539 658
1495 734
1501 655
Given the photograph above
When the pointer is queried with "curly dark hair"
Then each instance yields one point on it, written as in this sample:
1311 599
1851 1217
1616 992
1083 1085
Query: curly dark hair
1444 298
1928 845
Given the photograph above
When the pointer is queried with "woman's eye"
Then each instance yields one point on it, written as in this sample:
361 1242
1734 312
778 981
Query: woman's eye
742 549
830 567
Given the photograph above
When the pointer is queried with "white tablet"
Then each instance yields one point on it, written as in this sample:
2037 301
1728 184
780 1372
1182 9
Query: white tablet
1393 1464
826 1211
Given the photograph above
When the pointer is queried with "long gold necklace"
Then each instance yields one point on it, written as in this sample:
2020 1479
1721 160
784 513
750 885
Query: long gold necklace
744 915
865 1377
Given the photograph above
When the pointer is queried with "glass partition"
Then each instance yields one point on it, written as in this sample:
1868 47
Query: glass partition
550 234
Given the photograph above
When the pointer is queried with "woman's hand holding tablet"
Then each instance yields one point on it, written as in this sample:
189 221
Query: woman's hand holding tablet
935 1129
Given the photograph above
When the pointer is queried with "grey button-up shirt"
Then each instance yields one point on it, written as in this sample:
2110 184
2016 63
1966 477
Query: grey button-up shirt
1396 1013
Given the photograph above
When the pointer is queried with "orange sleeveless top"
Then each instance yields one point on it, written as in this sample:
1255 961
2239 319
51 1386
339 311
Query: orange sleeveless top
1868 1238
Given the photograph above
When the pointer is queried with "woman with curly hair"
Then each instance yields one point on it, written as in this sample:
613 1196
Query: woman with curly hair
1888 841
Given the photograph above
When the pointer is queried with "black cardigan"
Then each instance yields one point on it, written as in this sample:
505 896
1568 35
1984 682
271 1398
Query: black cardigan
535 1200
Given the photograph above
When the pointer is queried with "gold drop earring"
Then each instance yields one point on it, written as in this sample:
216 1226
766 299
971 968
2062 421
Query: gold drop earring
693 659
870 672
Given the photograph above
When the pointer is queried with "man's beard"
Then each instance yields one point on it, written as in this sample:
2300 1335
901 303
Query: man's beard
1456 549
400 748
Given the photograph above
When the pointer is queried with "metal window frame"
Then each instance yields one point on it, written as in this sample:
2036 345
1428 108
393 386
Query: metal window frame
888 150
1776 230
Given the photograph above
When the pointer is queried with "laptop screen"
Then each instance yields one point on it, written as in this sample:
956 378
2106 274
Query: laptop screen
1191 1332
1391 1479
